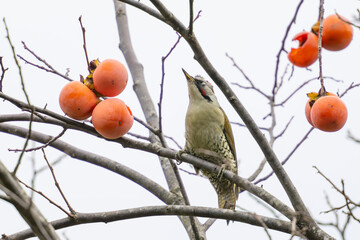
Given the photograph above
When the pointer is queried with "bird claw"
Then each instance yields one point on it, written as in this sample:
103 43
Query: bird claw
221 171
178 157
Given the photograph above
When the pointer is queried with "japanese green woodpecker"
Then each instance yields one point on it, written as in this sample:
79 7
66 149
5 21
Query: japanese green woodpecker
209 137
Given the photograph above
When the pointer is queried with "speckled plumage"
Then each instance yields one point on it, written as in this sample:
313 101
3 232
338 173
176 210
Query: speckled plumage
209 136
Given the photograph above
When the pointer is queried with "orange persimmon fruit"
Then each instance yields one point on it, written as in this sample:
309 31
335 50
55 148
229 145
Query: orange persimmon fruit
313 96
77 101
307 52
112 118
337 33
327 113
110 78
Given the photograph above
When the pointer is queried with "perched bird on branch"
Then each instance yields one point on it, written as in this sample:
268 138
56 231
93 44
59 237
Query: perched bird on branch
209 136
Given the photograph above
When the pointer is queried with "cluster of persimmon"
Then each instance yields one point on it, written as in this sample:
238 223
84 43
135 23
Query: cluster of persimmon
325 111
111 117
337 34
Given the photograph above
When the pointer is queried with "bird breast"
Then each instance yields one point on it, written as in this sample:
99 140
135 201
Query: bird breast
204 126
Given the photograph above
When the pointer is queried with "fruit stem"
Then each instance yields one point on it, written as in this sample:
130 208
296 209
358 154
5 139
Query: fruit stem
321 18
322 91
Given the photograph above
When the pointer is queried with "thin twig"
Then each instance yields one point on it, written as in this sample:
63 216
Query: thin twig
163 59
282 79
261 203
42 146
321 19
349 201
33 166
191 6
209 223
57 161
352 85
57 183
49 67
138 136
191 173
303 85
352 137
346 21
342 192
257 172
3 70
174 141
43 68
47 198
284 130
295 91
84 44
329 181
252 86
282 48
336 224
263 225
152 129
26 96
17 62
288 157
243 125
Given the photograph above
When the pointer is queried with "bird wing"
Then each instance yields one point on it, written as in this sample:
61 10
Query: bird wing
229 135
230 139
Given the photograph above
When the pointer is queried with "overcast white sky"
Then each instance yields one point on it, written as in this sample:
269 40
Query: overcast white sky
249 31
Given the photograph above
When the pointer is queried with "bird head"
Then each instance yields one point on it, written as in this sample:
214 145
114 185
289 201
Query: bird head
200 89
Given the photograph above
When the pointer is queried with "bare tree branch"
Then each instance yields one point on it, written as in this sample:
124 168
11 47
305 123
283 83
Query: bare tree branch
191 15
142 180
26 208
144 8
106 217
98 160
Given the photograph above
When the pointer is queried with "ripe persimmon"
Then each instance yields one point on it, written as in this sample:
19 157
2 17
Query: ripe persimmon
313 96
110 78
337 34
307 52
77 101
112 118
329 113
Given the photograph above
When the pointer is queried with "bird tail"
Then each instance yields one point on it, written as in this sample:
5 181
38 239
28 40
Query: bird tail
227 193
227 197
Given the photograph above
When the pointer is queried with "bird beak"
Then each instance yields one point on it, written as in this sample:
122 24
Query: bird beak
188 77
